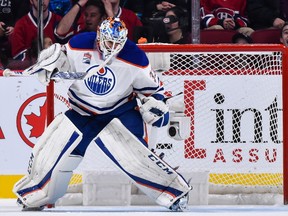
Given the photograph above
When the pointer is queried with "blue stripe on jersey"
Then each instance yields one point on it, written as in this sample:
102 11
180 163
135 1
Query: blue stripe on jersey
149 89
94 107
132 54
85 40
127 106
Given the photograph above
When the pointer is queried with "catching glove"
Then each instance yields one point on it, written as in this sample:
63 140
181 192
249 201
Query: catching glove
49 60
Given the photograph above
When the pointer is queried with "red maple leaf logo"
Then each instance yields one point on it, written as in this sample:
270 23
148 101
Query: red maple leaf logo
37 122
1 134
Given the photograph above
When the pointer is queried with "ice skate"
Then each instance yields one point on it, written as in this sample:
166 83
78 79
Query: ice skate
26 208
181 204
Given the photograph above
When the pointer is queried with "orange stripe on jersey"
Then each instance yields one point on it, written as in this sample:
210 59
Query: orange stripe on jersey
146 134
128 62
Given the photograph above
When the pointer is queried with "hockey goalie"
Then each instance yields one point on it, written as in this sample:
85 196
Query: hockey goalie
106 111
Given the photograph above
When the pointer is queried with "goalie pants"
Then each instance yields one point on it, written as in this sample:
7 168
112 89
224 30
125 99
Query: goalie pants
90 126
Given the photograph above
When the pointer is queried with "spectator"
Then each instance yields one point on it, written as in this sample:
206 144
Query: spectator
60 7
157 9
284 34
92 15
47 42
240 38
265 14
152 19
153 14
31 55
113 9
230 15
5 32
26 29
72 22
176 23
9 14
32 52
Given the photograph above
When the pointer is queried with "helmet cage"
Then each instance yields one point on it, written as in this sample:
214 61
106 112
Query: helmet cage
111 36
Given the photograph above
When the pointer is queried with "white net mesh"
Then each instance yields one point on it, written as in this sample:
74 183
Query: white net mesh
234 101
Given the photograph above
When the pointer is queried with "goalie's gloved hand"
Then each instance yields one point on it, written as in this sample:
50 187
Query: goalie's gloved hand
154 112
51 59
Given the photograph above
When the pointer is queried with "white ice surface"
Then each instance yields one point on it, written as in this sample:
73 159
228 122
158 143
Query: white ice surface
9 208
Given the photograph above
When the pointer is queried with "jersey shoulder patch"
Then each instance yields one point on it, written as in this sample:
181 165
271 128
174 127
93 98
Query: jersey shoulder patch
131 53
85 40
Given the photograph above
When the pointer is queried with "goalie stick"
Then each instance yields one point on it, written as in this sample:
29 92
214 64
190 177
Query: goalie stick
142 97
172 96
58 75
55 76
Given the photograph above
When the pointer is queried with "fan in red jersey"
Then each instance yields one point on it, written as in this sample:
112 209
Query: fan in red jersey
229 15
26 30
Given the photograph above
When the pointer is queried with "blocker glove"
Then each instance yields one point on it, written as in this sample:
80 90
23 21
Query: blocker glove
153 110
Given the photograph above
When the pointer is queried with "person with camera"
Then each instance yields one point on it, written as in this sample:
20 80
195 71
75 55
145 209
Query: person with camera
5 30
9 14
176 27
5 52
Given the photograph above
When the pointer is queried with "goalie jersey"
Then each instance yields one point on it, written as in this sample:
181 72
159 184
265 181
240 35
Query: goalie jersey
113 85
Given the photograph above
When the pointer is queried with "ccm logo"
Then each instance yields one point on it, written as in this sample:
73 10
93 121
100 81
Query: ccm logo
30 163
160 164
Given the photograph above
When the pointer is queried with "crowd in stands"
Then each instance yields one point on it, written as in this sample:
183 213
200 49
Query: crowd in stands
147 21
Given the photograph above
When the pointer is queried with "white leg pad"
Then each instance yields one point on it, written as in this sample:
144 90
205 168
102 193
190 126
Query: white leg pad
51 164
151 174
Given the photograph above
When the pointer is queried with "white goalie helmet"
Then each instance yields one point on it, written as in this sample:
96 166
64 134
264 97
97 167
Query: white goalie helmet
111 36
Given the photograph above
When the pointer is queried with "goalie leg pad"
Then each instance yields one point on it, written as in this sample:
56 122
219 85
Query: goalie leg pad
51 164
151 174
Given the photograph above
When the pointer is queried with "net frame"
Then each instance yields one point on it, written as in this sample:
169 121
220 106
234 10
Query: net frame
229 48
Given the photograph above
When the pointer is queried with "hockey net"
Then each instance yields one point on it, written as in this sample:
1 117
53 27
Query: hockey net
233 96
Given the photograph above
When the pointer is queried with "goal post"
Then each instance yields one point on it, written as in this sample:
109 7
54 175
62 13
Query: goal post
285 126
235 97
50 103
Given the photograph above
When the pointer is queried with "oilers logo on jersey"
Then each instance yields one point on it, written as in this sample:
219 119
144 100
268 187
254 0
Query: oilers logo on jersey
102 82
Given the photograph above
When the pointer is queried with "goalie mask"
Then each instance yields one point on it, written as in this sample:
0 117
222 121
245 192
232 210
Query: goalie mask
111 36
